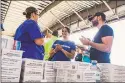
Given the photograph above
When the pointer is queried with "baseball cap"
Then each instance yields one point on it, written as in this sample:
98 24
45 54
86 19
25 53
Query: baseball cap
90 17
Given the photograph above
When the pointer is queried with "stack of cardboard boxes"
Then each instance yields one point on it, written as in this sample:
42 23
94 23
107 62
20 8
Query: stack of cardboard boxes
119 74
70 71
79 72
49 71
11 65
112 73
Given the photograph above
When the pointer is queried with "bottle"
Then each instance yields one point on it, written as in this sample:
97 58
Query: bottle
86 57
96 69
17 45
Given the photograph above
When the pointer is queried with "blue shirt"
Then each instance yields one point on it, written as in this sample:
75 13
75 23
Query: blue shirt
27 32
101 57
66 45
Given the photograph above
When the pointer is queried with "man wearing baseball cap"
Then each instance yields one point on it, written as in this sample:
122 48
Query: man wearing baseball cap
102 43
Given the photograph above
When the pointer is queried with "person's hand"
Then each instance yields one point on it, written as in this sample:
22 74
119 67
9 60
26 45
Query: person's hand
84 41
59 47
56 48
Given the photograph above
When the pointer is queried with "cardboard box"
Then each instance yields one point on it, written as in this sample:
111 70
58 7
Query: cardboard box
7 42
112 73
11 65
11 57
32 70
4 42
109 72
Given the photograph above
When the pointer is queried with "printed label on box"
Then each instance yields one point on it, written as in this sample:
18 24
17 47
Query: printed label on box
32 79
10 78
50 79
12 53
33 72
7 61
49 72
66 65
83 66
61 79
31 63
49 65
61 73
9 70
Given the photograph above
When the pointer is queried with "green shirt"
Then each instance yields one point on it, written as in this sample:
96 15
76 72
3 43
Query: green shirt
48 46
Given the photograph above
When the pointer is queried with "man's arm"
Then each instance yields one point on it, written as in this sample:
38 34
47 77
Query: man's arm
39 41
105 46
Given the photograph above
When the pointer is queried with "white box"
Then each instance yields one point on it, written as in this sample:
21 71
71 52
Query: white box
32 70
31 63
4 42
112 73
11 65
10 78
7 42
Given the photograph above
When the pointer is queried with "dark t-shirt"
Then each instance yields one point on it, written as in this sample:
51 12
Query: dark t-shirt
101 57
66 45
27 32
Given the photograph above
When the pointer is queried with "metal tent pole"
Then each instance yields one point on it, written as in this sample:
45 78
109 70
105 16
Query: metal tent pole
57 19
